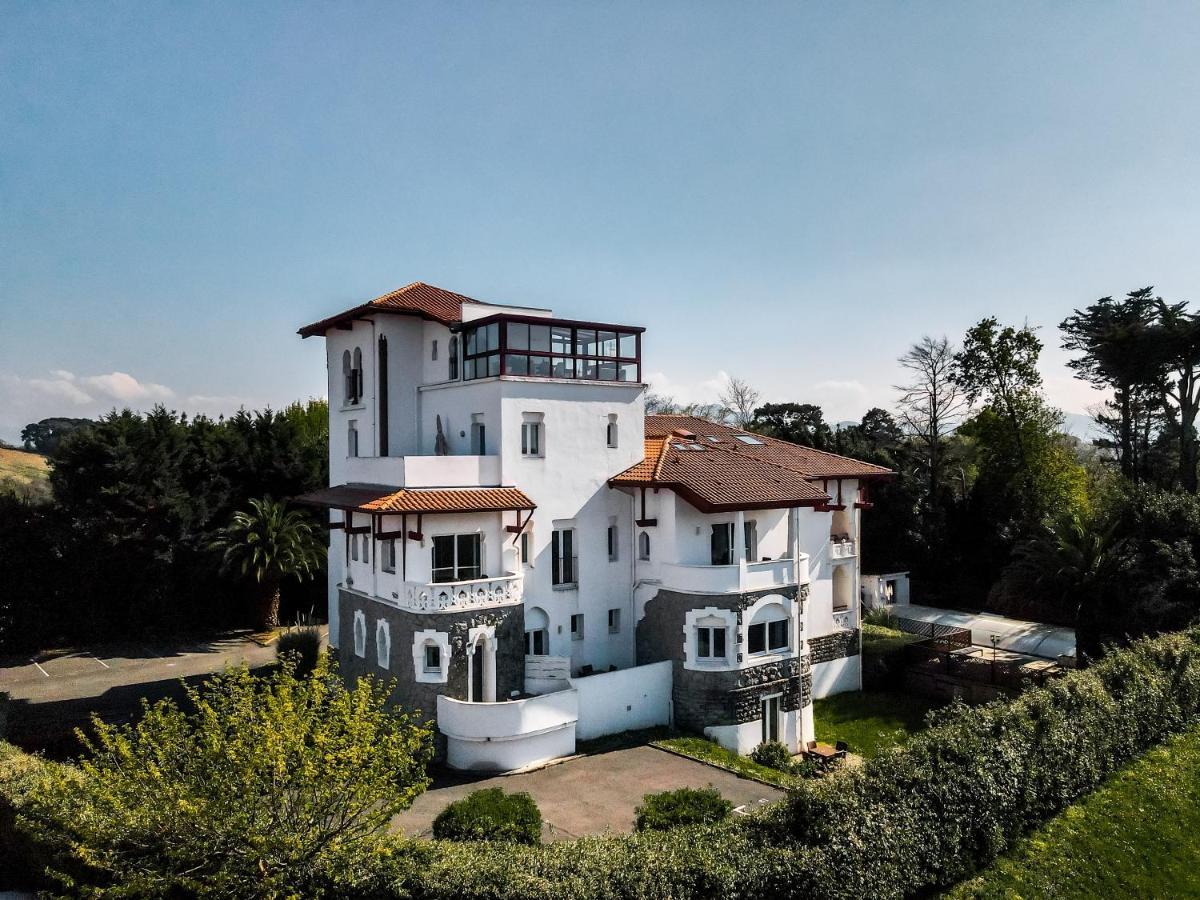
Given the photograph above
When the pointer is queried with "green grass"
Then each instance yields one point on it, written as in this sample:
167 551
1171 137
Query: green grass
1137 836
879 639
870 721
706 751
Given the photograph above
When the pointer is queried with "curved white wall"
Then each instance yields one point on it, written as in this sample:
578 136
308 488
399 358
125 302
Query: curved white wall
509 735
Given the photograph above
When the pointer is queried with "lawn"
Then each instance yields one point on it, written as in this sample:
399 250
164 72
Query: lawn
706 751
870 721
1138 836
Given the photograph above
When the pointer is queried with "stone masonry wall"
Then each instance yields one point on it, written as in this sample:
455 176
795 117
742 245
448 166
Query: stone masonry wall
829 647
409 693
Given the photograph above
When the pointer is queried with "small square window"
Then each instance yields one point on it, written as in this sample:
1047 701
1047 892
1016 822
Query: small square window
577 627
433 658
614 621
531 438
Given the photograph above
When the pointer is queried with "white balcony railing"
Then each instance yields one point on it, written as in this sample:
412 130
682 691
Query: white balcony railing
733 579
423 471
845 619
452 596
842 549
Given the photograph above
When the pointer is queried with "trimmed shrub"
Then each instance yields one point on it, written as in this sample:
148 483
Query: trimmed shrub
773 755
685 806
490 814
304 645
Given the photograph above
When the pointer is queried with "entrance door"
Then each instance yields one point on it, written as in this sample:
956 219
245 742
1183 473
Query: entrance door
770 718
477 673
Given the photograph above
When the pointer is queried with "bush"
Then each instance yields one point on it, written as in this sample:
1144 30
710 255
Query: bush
303 645
773 755
685 806
490 814
266 783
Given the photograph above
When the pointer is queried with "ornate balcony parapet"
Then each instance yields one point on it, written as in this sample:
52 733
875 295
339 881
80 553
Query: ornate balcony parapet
455 596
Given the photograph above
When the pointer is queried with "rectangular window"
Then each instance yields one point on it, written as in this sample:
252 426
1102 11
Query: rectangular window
531 438
562 548
777 635
434 350
610 433
756 638
710 642
478 439
433 658
536 642
388 563
366 546
457 557
612 543
722 544
614 621
352 438
526 550
577 627
354 547
750 532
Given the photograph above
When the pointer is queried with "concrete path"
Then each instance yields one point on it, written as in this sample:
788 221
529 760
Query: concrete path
1027 638
53 693
591 794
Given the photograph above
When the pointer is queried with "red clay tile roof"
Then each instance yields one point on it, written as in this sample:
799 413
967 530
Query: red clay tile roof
416 299
713 470
418 500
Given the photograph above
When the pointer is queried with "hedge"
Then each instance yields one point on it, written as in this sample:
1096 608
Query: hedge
682 806
907 822
489 814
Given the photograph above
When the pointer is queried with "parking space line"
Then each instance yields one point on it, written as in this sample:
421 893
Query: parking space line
39 667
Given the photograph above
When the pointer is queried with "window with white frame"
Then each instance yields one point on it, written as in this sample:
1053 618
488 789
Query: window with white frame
360 633
614 621
562 557
453 357
750 532
577 627
531 438
610 431
644 545
352 438
537 632
526 544
712 641
769 631
352 377
388 556
457 557
383 643
431 656
613 542
478 436
434 353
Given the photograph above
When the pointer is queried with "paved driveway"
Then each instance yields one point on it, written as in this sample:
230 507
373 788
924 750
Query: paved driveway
53 693
592 794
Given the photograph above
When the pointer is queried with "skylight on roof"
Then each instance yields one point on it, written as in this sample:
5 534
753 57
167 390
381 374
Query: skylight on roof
688 446
747 439
713 438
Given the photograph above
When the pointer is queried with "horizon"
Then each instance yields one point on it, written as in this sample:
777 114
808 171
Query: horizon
791 198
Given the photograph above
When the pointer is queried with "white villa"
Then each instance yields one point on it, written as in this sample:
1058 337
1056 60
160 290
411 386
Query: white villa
534 559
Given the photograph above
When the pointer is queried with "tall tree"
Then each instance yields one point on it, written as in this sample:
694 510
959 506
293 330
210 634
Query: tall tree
740 399
800 423
270 543
999 366
931 404
1176 344
1115 340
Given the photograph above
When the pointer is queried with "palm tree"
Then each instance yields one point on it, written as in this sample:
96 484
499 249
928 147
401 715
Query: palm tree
271 543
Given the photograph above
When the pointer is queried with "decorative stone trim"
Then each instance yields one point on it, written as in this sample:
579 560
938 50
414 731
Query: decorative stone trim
838 645
442 640
789 592
360 633
733 637
383 643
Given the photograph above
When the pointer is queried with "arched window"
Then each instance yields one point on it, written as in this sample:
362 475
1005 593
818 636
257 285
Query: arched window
610 432
769 631
843 593
357 373
383 643
360 633
537 632
644 545
347 379
453 358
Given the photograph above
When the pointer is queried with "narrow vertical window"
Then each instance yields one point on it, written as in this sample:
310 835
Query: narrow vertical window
612 543
610 432
388 556
531 438
434 357
453 355
577 627
644 545
526 549
347 379
563 557
352 438
357 372
614 621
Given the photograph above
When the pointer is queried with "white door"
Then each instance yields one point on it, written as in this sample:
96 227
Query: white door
770 717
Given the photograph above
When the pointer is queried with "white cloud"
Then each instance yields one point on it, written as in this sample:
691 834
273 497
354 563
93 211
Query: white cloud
25 399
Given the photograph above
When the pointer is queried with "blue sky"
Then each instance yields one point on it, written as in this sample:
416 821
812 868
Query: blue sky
790 193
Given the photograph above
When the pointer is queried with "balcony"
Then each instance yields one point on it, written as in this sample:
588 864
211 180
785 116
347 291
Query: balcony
736 578
509 735
843 549
455 596
423 471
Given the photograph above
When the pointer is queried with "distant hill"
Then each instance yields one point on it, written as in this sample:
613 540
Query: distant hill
24 473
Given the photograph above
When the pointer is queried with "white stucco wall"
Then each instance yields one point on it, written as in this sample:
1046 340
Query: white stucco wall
837 677
509 735
613 702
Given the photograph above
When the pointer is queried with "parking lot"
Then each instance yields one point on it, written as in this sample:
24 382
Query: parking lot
55 692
